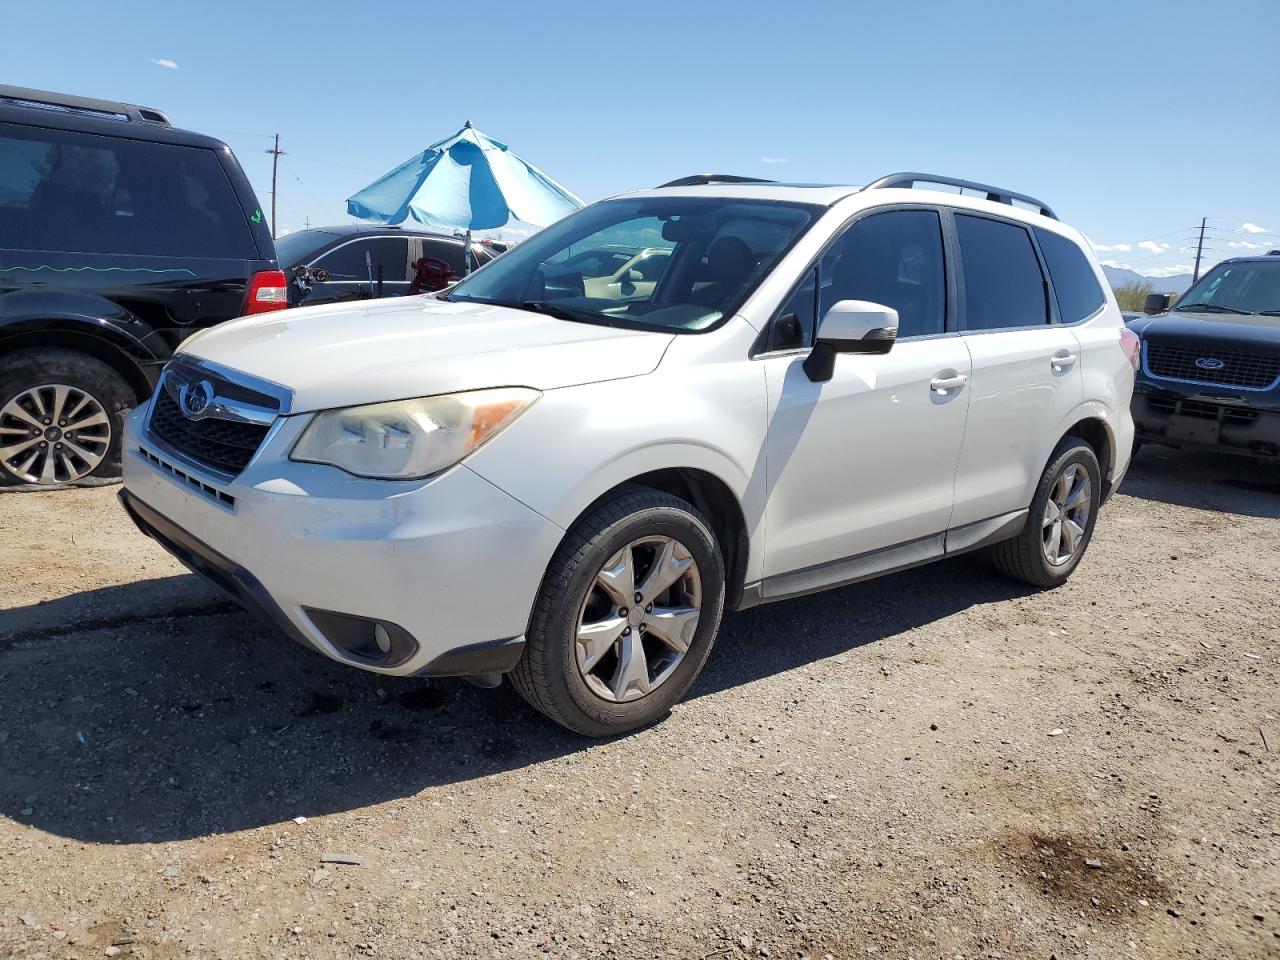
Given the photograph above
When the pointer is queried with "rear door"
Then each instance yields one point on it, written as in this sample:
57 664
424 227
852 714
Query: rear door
1026 373
354 267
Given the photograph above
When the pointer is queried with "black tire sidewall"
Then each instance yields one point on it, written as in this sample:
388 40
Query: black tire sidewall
23 369
602 716
1075 452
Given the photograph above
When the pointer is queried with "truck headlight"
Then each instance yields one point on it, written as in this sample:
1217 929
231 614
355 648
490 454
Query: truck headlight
410 439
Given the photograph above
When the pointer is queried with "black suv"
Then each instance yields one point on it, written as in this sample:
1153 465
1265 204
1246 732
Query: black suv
329 264
1211 365
119 235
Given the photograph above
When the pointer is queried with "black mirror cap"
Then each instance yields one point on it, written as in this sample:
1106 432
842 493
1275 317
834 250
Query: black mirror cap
820 364
1155 303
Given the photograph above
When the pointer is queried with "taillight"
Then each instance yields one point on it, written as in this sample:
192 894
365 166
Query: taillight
1131 344
268 290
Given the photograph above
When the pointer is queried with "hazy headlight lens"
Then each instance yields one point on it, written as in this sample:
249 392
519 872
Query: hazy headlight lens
410 439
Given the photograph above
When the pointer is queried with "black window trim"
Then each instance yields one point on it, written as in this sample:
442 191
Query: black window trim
1044 266
950 320
1051 298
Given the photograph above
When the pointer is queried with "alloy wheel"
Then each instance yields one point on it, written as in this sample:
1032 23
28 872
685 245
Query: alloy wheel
1066 514
638 619
53 433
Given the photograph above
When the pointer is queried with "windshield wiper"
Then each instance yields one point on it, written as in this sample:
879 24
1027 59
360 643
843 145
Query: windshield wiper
1210 308
560 313
1269 313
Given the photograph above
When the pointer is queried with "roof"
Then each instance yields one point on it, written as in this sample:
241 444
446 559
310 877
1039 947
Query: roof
822 194
361 229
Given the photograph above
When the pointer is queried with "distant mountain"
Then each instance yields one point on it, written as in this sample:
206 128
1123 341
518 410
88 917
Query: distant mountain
1176 284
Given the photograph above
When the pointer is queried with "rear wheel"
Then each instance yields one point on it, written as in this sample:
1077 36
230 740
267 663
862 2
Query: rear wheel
61 418
1060 524
626 616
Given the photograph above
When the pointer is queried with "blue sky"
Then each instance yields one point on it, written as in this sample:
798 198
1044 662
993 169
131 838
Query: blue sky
1133 119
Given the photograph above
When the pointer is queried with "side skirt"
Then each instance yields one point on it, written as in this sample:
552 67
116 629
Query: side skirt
877 563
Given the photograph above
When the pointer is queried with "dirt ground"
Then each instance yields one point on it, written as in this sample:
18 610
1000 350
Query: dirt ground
936 764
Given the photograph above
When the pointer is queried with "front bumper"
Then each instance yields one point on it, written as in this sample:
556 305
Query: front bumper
448 569
1197 416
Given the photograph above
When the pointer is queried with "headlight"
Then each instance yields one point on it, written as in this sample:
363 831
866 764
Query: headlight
410 439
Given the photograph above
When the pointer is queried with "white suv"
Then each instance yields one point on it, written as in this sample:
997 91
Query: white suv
519 478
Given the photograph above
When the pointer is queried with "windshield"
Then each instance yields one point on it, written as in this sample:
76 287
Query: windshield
1250 287
297 248
702 257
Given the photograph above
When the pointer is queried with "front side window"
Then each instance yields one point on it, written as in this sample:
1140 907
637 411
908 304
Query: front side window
1003 285
348 262
1074 282
1250 287
711 253
80 193
894 259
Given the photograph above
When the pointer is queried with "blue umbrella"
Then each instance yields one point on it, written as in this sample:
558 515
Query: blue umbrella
468 181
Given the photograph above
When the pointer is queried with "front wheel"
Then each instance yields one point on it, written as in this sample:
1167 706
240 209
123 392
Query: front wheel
1060 524
626 615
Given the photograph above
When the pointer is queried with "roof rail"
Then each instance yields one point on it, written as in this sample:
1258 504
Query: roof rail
996 194
704 179
67 103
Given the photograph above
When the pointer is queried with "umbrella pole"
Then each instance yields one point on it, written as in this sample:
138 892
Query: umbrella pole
466 264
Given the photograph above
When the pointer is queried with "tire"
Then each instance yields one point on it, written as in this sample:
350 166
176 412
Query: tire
35 385
577 686
1026 556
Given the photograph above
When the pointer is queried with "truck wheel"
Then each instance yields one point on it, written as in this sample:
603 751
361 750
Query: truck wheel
61 418
1060 523
626 615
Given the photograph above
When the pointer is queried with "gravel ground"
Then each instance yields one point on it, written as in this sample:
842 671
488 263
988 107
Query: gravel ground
938 763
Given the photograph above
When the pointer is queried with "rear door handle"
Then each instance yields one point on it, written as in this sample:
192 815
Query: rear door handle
1062 360
944 385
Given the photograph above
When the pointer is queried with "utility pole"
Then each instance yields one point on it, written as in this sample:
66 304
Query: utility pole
276 154
1195 276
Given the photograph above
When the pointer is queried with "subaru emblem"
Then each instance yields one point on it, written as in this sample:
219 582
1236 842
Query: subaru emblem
1209 363
194 398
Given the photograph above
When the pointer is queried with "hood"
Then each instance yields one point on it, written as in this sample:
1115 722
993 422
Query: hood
1211 328
341 355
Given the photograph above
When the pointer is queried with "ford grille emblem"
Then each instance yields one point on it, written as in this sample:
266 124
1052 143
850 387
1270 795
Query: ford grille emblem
195 398
1209 363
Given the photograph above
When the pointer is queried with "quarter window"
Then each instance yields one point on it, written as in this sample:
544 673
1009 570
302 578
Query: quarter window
1074 282
895 259
1003 284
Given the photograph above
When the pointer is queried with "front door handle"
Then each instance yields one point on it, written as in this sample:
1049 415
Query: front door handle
945 385
1062 360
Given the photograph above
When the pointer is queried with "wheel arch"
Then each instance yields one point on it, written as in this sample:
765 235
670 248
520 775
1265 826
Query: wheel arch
129 366
1091 426
714 499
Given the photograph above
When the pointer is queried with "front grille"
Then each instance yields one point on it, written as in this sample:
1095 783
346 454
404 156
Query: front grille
1230 416
223 445
1255 370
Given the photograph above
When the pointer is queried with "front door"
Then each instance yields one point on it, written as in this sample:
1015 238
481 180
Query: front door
866 460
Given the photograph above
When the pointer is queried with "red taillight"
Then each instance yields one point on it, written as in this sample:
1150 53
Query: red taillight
1132 347
268 290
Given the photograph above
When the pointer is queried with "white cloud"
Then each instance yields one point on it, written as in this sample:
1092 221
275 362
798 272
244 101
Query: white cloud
1153 247
1251 228
774 160
1246 245
1116 264
167 64
1172 271
1113 247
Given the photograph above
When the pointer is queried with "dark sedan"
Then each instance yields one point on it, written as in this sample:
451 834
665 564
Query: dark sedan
345 262
1211 365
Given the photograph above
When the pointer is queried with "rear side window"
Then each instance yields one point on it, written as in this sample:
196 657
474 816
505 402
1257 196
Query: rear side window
453 253
1003 285
348 262
895 259
1074 282
79 193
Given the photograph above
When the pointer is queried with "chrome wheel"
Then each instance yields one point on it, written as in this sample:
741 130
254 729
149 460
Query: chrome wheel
638 619
1066 514
53 433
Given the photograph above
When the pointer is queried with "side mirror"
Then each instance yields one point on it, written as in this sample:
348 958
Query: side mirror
632 276
1156 303
850 326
